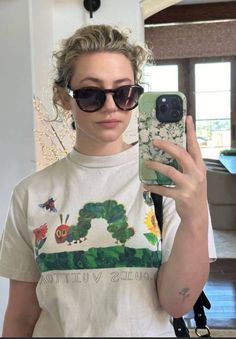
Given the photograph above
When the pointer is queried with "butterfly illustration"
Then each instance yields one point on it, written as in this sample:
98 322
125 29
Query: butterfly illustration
49 205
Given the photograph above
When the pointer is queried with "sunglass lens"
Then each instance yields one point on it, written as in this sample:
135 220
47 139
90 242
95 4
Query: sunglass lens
126 97
90 99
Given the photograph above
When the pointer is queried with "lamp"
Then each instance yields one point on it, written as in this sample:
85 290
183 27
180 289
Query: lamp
92 6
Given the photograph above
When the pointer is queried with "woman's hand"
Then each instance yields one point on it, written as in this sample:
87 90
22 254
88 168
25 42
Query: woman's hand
187 267
190 192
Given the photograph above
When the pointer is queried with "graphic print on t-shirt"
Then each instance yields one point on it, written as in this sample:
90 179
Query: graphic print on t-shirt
49 205
40 237
116 255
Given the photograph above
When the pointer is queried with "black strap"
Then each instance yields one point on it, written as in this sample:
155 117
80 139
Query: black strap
180 328
157 200
200 318
199 314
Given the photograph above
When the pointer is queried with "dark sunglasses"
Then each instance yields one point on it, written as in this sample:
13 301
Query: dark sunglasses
91 99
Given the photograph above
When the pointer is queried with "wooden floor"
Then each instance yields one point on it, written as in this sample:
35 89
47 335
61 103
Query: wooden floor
221 292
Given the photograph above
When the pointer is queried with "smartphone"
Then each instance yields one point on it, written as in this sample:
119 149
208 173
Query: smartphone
161 115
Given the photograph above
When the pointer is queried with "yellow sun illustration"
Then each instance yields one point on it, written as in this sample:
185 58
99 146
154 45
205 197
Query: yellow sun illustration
151 223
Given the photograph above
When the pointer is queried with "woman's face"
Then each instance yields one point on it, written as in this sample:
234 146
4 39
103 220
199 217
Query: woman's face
101 131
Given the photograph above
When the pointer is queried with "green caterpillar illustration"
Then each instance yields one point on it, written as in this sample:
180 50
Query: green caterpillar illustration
110 210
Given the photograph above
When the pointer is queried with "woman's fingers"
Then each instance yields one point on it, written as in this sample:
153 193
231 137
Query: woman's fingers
190 184
188 158
162 190
180 154
167 170
192 143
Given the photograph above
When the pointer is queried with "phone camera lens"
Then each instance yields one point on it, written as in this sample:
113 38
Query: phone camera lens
164 108
175 114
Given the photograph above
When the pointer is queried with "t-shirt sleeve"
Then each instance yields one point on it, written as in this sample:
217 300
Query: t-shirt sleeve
171 221
17 260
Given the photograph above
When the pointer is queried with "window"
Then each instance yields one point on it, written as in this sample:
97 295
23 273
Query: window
208 84
161 78
212 107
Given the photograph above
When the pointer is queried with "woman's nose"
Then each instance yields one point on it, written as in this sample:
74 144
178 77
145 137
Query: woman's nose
110 104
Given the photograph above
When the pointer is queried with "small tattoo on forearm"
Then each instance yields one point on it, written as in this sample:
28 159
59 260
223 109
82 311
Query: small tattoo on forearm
184 293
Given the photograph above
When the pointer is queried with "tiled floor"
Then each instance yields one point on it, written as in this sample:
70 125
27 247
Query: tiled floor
221 292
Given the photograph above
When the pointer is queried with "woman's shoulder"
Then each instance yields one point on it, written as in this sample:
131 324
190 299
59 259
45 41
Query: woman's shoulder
42 176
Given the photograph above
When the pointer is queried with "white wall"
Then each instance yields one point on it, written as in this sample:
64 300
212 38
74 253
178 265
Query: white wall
123 13
16 113
29 30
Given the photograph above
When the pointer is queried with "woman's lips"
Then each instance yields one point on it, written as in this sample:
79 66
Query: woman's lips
108 123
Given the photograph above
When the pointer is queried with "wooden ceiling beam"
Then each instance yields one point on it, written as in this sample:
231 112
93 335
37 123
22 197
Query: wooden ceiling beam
194 13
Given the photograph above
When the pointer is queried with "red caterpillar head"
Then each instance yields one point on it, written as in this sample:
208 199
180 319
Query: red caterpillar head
62 231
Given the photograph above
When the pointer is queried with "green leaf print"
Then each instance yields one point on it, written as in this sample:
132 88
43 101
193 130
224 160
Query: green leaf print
90 261
152 238
108 257
40 243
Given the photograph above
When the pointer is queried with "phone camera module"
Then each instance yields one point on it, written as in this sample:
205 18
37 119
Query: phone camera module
169 108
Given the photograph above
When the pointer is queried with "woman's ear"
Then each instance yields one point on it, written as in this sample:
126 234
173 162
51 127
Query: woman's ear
65 99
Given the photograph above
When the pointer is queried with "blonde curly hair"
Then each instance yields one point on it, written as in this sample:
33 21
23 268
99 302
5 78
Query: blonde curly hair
95 38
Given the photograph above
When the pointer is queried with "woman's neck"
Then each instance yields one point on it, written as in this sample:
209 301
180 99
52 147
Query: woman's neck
101 149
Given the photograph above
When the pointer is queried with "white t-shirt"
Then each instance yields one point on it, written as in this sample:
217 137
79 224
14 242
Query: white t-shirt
82 229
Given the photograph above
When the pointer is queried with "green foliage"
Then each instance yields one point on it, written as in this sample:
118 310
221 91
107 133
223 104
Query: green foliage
231 151
115 256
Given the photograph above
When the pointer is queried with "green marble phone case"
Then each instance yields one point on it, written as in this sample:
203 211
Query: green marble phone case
149 128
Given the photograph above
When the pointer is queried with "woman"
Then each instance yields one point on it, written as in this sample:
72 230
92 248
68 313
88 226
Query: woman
78 245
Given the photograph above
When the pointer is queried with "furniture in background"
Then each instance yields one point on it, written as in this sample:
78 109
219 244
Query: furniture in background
229 162
221 190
